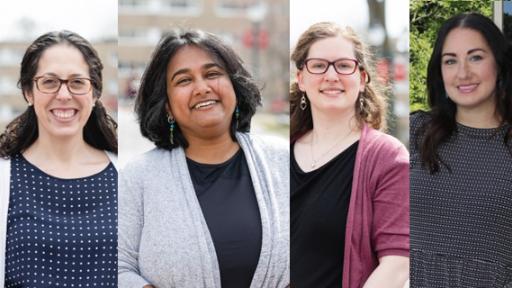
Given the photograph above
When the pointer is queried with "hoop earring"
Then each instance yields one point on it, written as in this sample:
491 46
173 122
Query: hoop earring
303 102
171 122
237 116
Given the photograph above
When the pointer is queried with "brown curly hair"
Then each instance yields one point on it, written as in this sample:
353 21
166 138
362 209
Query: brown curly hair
374 104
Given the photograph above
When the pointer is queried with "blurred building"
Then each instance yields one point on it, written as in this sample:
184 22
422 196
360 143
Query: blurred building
257 29
11 54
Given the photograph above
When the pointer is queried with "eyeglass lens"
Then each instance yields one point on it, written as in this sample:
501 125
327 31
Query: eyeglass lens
74 85
342 66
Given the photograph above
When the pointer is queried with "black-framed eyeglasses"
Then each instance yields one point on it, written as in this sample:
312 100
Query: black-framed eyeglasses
343 66
52 84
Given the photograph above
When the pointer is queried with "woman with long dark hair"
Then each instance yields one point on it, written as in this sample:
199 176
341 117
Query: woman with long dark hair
349 180
461 161
58 192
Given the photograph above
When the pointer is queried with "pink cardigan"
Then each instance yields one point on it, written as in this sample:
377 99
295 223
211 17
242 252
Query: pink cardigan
378 215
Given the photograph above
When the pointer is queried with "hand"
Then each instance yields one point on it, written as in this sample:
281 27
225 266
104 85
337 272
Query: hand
392 272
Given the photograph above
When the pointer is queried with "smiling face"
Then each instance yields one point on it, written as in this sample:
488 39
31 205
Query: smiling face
330 90
61 114
469 70
200 94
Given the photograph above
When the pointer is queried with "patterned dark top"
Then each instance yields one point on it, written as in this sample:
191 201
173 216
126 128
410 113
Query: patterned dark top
461 221
61 232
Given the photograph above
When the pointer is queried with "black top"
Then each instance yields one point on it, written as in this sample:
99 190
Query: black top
228 202
61 232
319 208
461 220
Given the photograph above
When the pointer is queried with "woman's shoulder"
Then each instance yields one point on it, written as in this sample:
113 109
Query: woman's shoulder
383 150
379 141
266 143
146 162
4 166
418 119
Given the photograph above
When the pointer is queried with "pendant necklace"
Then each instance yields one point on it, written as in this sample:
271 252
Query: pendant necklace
315 162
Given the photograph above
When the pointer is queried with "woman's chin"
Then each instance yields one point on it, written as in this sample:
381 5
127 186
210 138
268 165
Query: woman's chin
64 132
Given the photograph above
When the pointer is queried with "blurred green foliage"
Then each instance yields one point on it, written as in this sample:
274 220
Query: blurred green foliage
426 17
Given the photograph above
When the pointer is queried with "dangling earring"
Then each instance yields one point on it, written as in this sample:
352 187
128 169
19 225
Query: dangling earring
303 103
237 116
171 122
361 103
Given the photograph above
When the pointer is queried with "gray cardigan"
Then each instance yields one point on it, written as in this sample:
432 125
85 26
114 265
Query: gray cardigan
163 236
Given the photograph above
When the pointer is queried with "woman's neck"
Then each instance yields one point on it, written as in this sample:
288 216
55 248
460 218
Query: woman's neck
65 157
328 126
478 118
61 150
212 150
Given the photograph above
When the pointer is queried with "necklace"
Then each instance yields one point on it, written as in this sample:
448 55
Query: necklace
314 161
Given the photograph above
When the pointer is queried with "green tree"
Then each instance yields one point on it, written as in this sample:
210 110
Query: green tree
426 17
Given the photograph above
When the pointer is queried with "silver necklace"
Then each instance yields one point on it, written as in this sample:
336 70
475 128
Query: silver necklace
315 162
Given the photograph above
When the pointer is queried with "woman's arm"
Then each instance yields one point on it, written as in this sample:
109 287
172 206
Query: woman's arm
131 217
390 228
392 272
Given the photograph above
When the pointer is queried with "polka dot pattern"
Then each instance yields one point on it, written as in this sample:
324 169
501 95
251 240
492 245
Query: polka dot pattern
461 221
61 232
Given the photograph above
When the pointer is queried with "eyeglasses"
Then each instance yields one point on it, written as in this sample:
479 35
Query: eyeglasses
52 84
343 66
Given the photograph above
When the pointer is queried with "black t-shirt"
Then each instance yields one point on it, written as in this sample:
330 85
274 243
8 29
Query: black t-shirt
229 205
319 207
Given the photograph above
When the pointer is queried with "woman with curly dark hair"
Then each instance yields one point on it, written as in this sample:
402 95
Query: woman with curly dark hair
58 189
461 161
209 207
349 181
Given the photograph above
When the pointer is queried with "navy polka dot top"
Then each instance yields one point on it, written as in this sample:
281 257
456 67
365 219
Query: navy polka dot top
61 232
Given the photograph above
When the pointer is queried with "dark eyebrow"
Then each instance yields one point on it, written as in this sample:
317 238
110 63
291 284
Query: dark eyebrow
186 70
469 52
448 54
476 50
181 71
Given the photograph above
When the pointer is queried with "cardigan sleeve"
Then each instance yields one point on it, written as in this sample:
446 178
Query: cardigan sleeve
131 222
390 229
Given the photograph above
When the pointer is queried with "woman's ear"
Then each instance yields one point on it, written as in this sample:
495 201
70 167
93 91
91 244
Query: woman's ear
29 97
300 81
168 109
364 80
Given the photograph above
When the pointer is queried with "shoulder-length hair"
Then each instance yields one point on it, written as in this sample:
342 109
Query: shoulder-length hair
100 129
374 108
442 124
151 101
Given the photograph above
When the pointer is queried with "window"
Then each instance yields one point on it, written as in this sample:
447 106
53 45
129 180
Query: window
139 36
10 57
235 8
132 3
182 7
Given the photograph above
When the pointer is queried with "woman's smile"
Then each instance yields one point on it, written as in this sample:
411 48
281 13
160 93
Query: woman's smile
205 105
